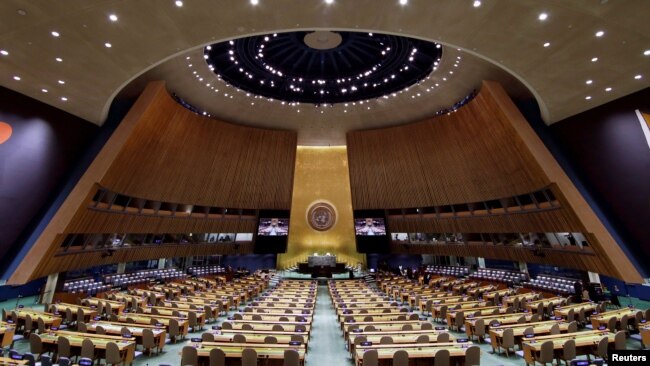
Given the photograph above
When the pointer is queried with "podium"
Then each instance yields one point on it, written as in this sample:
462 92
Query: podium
321 266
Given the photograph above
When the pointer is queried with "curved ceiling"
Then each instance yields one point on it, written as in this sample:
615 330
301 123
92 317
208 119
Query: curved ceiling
78 58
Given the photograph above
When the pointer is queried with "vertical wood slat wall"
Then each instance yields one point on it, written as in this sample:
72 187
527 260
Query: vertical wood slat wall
471 155
174 155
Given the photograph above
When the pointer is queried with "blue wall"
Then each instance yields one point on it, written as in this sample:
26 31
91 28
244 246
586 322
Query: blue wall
28 289
634 290
394 260
251 262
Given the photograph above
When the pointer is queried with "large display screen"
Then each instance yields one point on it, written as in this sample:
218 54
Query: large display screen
273 227
370 227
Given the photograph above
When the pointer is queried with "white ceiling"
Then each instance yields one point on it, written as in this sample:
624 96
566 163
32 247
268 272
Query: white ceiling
501 40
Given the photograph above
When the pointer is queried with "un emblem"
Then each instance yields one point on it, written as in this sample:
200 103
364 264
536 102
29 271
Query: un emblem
321 216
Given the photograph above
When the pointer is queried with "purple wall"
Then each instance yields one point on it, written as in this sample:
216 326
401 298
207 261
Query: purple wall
609 154
394 260
35 162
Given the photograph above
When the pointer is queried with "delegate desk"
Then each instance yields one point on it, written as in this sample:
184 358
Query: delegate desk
11 362
503 319
233 351
157 310
265 326
598 320
88 312
115 328
415 351
125 345
399 339
585 342
563 311
254 337
539 328
383 327
183 324
116 306
50 320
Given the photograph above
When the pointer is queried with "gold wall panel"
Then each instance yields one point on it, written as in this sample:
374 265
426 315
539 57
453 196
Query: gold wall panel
321 175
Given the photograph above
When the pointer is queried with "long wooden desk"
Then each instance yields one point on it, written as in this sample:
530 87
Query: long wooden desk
456 350
585 341
115 328
126 346
7 331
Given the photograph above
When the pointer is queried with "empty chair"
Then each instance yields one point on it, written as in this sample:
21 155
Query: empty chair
443 313
174 330
31 360
540 310
624 322
600 350
80 315
422 339
459 321
442 337
88 349
29 323
238 316
125 332
36 344
100 330
611 324
69 317
400 358
217 357
247 327
571 316
401 318
386 340
297 338
287 311
546 353
407 327
371 358
207 337
414 317
508 340
82 327
619 340
555 329
270 340
363 311
63 347
194 321
371 328
300 328
573 327
568 351
63 361
283 319
149 341
441 358
41 325
582 317
249 357
256 317
239 338
368 318
46 360
534 318
479 329
521 319
189 356
226 325
473 356
424 326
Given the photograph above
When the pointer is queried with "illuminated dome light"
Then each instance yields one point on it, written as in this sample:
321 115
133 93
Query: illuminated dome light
322 67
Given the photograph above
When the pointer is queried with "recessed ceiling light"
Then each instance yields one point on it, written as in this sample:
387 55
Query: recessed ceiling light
608 89
108 45
4 52
44 90
112 18
55 33
646 53
59 59
588 97
588 82
61 82
17 78
64 99
542 16
329 1
179 3
547 44
594 59
600 33
254 2
637 77
477 3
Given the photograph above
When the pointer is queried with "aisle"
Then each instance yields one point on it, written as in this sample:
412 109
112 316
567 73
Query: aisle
326 345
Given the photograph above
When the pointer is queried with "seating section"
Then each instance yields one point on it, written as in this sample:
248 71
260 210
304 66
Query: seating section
127 279
553 284
448 270
206 270
500 275
85 286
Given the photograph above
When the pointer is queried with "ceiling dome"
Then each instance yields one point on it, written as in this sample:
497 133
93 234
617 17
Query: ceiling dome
323 67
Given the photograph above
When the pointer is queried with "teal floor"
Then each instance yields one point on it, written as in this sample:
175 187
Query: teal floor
326 346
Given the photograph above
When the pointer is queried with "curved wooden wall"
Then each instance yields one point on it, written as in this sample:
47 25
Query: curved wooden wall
471 155
216 163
